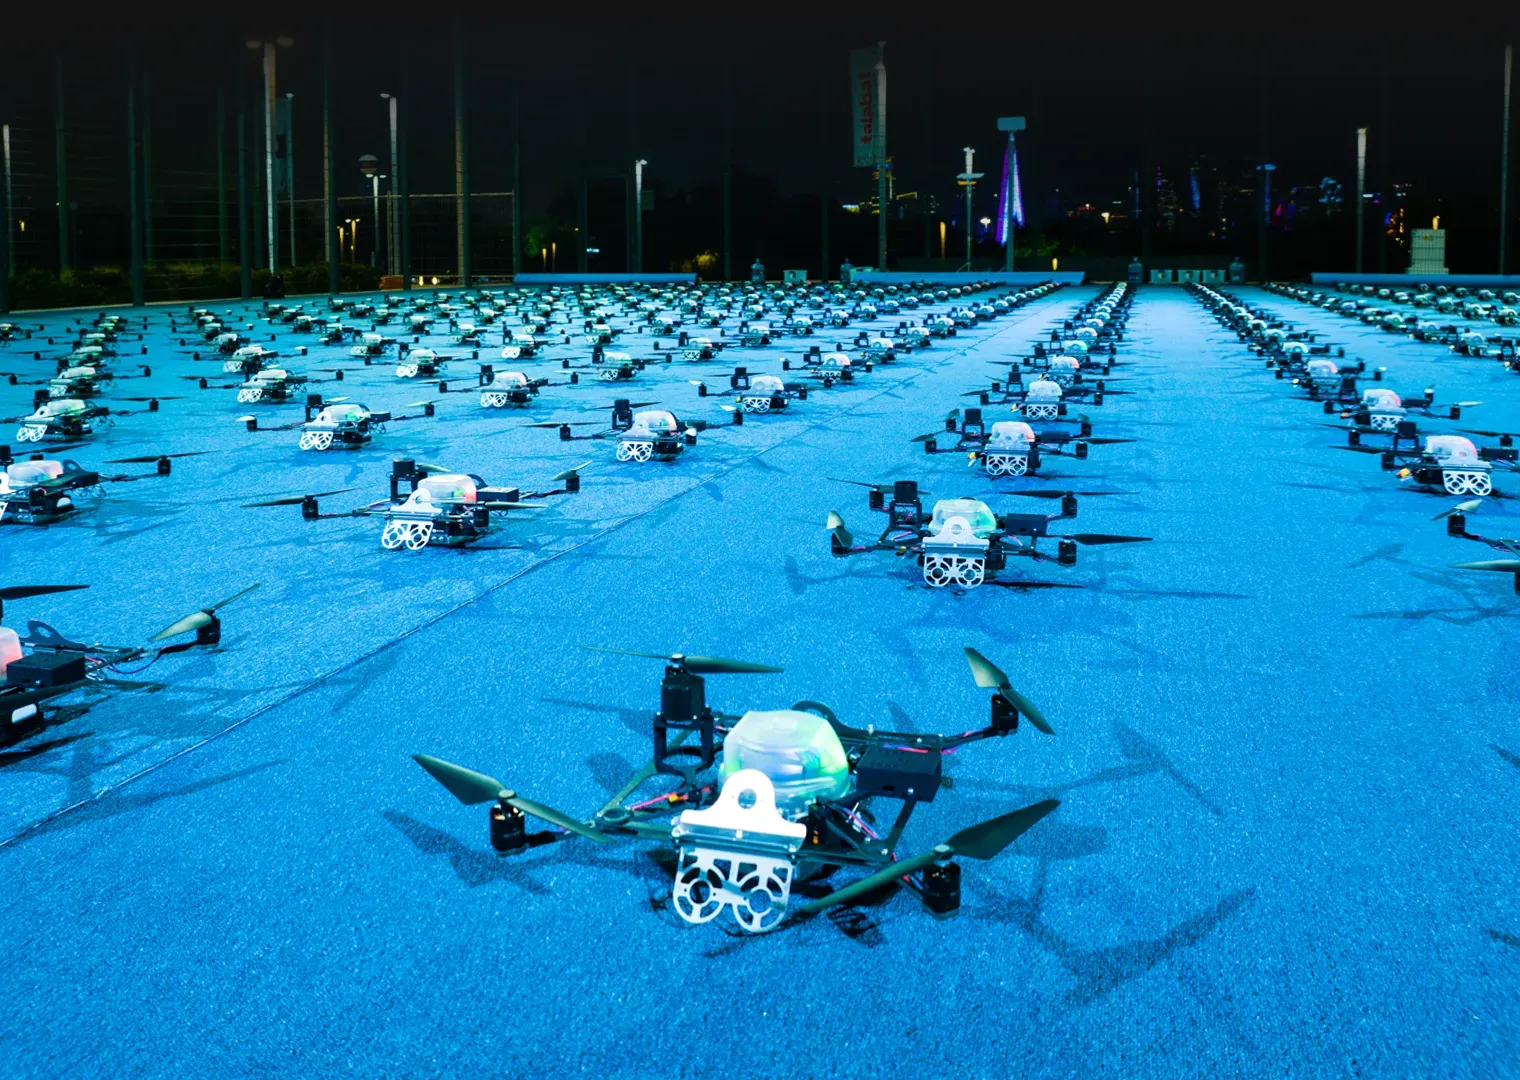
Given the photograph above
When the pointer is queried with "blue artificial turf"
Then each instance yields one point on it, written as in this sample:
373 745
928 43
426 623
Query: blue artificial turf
1286 748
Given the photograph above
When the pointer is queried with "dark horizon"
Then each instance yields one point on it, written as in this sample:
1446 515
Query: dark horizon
595 95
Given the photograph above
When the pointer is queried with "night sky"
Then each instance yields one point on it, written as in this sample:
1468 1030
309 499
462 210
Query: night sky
596 90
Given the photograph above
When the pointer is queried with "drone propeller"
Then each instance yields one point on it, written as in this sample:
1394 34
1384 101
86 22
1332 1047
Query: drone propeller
21 592
1503 566
982 841
1106 538
697 665
471 787
1490 434
562 423
165 398
295 500
198 619
1461 508
425 467
568 473
149 459
990 677
1052 493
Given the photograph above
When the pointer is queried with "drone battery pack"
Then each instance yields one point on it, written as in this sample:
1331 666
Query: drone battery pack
490 494
896 773
40 671
1024 524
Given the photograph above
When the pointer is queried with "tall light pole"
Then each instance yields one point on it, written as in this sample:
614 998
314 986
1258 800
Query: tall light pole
5 241
968 181
1361 188
290 167
391 261
879 133
270 206
638 215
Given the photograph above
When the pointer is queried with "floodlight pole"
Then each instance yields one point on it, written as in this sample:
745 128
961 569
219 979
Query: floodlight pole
134 203
461 159
638 215
391 260
968 181
271 223
245 255
404 174
1361 187
222 251
1504 171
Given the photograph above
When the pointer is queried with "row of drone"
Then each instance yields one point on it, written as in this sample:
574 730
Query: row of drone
1380 422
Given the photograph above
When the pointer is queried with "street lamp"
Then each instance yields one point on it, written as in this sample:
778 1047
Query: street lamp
638 215
269 200
392 256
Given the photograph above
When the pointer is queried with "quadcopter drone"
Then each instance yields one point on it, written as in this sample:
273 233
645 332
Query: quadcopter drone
499 389
371 345
56 665
649 434
963 542
345 424
1043 399
521 345
782 804
421 364
1011 447
61 418
440 508
757 393
42 491
1451 463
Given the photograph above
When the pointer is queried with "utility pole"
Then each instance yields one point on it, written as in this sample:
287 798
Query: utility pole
404 189
968 181
880 133
1361 189
223 252
65 233
638 215
461 160
5 241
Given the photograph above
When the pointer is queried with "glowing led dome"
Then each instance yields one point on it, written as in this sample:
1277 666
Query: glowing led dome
797 751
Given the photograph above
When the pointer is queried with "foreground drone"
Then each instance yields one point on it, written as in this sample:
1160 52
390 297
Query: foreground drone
792 786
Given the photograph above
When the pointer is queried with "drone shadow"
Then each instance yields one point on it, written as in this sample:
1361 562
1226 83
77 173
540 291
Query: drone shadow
1504 939
113 802
1512 758
635 720
1142 758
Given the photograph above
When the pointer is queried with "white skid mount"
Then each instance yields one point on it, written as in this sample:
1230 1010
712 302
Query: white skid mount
1005 463
247 395
409 525
757 403
634 450
1040 410
740 853
31 432
955 555
316 440
1467 482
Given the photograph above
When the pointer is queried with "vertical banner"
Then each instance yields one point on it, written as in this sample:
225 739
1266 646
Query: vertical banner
863 105
282 147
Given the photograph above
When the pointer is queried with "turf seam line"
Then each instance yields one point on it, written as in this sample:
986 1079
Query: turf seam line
383 646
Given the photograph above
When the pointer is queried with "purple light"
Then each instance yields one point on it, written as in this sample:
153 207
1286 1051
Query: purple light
1010 199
